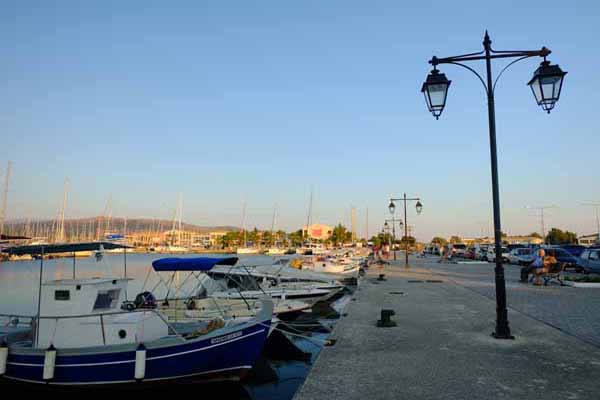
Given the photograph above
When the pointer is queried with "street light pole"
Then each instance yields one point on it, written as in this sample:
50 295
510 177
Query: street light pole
502 327
546 86
393 221
419 208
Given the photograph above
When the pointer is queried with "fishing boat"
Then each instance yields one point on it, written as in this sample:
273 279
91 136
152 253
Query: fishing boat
87 332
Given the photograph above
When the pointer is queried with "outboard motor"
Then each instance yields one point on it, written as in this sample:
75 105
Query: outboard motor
145 300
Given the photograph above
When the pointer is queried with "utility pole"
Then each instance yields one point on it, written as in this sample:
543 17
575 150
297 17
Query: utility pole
541 210
596 206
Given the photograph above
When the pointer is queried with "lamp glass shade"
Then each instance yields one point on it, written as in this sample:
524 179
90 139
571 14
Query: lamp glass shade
419 207
435 90
546 85
392 207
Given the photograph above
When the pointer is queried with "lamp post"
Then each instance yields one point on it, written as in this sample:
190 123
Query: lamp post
400 224
546 85
392 208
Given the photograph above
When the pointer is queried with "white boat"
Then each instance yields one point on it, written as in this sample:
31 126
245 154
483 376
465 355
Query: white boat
247 250
276 251
86 333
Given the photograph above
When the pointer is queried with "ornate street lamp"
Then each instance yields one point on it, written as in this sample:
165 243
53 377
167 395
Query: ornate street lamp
392 207
419 207
435 90
546 85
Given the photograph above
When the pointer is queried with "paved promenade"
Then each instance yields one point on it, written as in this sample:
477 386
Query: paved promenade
442 349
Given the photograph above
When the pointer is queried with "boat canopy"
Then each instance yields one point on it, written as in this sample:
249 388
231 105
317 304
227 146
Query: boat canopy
191 264
63 248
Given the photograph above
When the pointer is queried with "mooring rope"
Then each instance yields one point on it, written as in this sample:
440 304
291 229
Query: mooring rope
317 342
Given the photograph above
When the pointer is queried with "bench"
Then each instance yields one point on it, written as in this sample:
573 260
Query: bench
554 273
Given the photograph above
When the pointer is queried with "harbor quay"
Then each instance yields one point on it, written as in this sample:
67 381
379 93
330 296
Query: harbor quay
441 347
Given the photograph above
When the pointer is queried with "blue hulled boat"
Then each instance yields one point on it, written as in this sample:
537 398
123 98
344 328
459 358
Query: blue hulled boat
87 333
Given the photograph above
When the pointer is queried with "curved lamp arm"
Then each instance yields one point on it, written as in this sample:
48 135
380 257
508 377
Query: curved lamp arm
505 68
473 71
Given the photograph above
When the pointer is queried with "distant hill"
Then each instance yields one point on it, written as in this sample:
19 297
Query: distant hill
91 226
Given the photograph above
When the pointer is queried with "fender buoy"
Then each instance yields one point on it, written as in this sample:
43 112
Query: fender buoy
3 357
49 363
140 362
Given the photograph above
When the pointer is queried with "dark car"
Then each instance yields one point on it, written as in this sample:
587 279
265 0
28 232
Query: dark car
575 249
590 260
563 256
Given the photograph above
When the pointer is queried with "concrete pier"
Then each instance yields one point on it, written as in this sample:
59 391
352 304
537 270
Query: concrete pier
442 348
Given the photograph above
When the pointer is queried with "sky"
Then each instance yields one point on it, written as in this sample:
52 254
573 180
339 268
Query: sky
261 102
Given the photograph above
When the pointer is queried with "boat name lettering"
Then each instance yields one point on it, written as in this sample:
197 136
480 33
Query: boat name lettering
226 337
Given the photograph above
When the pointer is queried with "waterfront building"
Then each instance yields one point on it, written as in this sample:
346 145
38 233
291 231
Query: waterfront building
588 240
317 231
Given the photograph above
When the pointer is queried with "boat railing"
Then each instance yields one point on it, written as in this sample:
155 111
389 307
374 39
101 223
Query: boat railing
15 319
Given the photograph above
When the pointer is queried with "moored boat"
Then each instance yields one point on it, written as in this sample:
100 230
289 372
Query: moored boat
87 332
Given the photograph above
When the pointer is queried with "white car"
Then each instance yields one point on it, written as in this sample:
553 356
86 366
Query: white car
521 256
491 254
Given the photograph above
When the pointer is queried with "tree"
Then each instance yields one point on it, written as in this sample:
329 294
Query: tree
455 239
296 238
408 239
535 235
440 241
557 236
340 235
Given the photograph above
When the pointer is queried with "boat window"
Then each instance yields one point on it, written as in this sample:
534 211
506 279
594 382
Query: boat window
107 299
62 295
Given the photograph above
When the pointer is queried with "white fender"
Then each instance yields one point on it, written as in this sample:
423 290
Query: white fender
3 357
49 363
140 362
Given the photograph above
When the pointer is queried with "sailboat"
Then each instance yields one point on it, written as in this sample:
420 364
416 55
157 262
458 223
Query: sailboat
274 250
245 249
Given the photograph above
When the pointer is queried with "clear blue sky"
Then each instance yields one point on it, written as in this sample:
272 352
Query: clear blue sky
227 101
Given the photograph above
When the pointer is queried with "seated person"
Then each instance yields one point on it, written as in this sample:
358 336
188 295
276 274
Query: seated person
549 261
536 264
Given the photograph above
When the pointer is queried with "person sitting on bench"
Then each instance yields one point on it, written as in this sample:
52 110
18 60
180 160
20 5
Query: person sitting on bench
537 263
549 262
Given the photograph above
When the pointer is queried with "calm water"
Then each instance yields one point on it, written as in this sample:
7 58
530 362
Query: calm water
19 288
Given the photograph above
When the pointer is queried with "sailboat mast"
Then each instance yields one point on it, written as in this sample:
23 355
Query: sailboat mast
242 226
273 223
61 226
5 197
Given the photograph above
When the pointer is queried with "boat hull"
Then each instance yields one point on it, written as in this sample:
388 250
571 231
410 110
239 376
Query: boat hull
223 357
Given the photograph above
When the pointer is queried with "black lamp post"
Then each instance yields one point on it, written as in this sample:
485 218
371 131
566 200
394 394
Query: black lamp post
546 86
418 207
393 222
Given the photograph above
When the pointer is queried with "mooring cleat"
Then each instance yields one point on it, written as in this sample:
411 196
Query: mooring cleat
385 321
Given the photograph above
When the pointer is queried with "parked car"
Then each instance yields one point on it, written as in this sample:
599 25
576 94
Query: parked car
521 256
491 254
459 249
565 257
575 249
589 260
481 252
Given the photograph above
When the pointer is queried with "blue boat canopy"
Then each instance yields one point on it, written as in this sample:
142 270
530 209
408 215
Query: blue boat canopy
191 264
